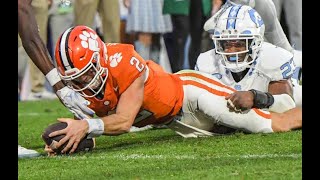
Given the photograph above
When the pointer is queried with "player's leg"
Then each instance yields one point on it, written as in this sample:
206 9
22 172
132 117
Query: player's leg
84 12
253 120
205 95
110 15
273 32
293 14
195 84
289 120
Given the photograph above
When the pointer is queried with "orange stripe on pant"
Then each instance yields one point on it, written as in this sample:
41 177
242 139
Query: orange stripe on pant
217 92
209 80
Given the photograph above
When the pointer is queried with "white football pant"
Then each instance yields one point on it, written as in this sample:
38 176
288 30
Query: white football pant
204 105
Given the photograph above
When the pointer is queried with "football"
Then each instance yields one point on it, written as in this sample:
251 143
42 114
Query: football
84 145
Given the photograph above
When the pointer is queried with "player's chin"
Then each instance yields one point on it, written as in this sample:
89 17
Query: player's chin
85 145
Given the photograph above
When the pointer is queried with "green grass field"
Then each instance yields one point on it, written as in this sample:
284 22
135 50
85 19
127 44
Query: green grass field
158 153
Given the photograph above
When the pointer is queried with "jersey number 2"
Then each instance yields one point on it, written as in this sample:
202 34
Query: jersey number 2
139 66
288 68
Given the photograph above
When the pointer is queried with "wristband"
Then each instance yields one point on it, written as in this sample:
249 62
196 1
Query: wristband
96 127
53 77
261 99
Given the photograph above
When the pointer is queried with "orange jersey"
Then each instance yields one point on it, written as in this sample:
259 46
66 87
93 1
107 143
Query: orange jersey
163 92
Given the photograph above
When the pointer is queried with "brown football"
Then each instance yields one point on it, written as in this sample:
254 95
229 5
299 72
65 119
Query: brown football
84 145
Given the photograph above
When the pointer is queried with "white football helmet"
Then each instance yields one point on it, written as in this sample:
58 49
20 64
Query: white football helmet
243 24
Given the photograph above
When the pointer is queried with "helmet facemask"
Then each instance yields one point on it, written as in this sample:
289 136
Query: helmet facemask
245 49
90 80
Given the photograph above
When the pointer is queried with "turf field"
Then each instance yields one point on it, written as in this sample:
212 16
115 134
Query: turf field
158 153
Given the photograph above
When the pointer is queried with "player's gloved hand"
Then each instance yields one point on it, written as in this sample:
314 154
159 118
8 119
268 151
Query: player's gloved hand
77 104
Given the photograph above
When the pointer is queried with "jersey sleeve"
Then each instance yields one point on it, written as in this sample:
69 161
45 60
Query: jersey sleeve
125 65
276 63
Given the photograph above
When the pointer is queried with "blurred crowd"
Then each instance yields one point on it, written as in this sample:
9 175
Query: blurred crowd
169 32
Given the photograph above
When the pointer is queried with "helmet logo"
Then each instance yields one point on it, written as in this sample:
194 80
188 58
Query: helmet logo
115 59
89 40
255 17
231 23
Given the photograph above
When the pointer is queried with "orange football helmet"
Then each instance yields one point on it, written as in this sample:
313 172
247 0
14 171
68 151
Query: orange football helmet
78 53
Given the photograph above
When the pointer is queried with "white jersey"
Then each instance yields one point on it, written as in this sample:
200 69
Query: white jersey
272 64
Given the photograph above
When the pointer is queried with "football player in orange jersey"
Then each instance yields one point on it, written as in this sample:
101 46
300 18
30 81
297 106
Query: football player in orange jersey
125 90
36 49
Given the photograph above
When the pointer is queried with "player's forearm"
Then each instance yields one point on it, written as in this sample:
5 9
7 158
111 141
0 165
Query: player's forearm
282 92
30 38
109 125
39 54
128 107
33 44
281 87
116 124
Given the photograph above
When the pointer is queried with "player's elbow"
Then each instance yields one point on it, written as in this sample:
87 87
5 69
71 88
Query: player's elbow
123 128
126 128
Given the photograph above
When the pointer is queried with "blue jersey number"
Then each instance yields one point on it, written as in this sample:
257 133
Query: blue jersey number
287 69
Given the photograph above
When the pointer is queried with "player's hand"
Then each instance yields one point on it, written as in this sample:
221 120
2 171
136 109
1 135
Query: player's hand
74 133
240 101
77 104
49 151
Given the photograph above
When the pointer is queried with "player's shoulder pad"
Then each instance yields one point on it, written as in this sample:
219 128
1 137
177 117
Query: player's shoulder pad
207 62
275 62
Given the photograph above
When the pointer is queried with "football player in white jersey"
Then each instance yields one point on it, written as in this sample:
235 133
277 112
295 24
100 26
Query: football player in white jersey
273 30
260 71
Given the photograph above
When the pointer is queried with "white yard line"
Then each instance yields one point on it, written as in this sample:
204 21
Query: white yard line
182 157
248 156
31 114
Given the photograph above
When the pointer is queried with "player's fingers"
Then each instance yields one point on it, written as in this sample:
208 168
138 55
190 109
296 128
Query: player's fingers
74 147
56 133
68 146
64 119
230 104
83 104
86 109
62 141
48 149
236 109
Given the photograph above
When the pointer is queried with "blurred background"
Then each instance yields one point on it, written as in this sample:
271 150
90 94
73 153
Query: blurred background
169 32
